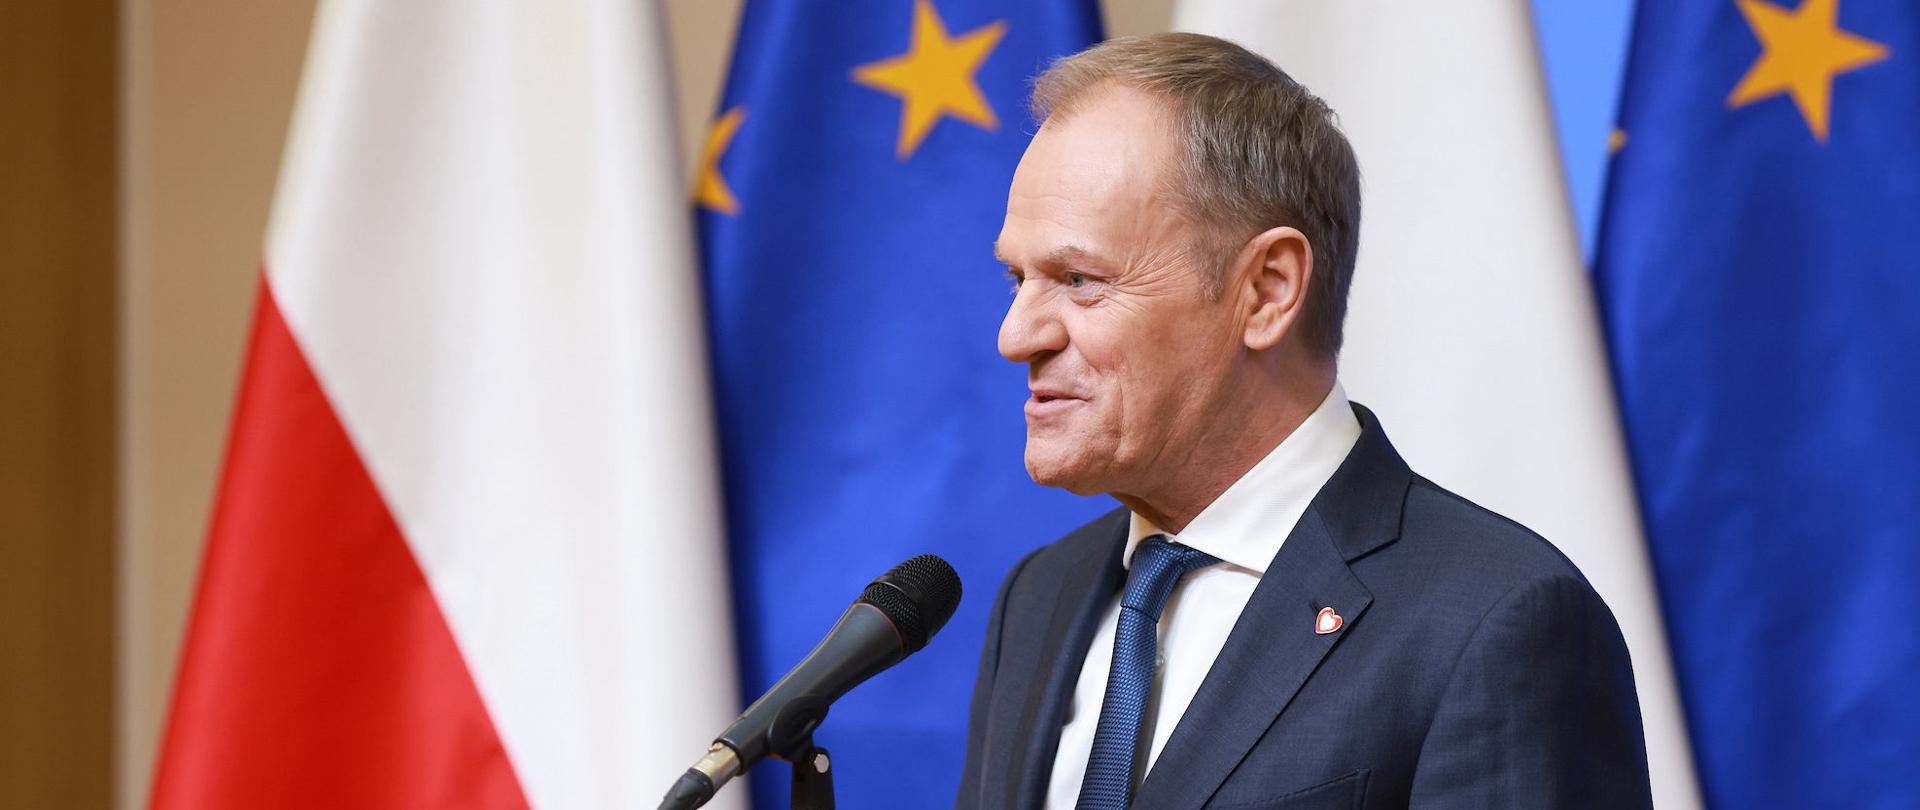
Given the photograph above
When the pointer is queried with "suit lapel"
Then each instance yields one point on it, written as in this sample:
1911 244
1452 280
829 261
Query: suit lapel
1095 577
1274 648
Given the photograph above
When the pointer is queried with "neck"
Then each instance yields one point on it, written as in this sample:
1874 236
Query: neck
1242 430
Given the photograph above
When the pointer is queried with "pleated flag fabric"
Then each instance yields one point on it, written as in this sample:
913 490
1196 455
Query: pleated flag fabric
467 550
1759 263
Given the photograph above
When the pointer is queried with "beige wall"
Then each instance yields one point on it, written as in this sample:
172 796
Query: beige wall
209 87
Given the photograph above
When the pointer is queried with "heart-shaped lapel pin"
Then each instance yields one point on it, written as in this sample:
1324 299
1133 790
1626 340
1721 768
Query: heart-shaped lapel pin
1327 622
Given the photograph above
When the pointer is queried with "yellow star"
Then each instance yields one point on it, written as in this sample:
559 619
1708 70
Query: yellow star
710 189
1801 52
935 76
1616 141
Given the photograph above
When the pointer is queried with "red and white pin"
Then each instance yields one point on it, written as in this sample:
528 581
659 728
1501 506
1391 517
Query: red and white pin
1327 622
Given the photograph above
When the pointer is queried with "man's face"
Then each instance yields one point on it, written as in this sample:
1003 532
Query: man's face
1126 355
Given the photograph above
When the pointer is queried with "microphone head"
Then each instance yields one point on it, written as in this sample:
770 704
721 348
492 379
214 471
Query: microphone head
918 596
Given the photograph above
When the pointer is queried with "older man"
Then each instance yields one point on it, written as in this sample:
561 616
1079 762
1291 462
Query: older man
1283 614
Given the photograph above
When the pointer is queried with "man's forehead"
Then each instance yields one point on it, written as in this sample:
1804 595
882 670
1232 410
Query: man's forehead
1089 182
1116 134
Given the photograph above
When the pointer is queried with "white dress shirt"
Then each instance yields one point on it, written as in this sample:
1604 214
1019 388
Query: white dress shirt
1244 528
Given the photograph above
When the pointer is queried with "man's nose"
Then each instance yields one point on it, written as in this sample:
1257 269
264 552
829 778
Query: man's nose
1030 330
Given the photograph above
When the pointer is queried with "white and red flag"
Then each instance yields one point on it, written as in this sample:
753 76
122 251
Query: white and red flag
467 550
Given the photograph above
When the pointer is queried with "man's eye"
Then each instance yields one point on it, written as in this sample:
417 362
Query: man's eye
1014 277
1076 280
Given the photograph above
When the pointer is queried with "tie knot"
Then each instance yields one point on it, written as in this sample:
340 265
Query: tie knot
1157 566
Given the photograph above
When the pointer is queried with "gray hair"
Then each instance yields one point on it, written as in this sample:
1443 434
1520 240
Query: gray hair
1261 152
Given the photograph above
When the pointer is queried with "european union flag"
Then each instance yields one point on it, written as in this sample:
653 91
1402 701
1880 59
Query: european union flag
1760 275
851 190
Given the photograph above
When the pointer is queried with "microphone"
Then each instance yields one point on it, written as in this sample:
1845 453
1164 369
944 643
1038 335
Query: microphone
892 619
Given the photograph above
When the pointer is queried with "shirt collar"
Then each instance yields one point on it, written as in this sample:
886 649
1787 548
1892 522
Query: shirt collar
1246 525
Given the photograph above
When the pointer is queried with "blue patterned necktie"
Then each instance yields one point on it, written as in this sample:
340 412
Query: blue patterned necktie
1157 566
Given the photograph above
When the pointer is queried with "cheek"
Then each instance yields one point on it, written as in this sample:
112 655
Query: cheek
1140 360
1106 344
1168 376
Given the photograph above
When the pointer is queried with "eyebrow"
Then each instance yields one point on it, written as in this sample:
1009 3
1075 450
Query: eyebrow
1069 254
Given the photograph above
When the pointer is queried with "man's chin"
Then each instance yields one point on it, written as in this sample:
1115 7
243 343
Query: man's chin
1069 474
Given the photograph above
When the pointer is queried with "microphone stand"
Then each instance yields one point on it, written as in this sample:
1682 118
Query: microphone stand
812 777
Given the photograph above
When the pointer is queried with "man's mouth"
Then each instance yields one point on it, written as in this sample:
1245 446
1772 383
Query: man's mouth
1046 402
1050 394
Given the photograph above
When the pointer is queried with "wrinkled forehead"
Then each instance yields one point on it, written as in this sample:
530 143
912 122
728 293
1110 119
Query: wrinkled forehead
1100 173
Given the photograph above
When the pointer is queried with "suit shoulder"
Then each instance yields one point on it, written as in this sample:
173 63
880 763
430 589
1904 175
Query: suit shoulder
1457 536
1458 569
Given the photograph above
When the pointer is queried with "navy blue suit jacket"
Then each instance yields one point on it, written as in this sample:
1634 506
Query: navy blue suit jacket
1475 667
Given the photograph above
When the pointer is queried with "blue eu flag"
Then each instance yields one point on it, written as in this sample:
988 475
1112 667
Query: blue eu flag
850 192
1760 275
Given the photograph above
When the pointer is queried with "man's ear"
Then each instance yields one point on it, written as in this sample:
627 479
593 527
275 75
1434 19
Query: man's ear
1278 265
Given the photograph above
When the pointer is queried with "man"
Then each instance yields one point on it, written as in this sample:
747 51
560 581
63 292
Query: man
1282 615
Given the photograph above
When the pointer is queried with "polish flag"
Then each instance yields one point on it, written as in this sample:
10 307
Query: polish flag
467 550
